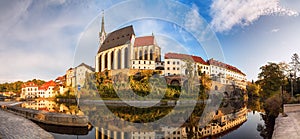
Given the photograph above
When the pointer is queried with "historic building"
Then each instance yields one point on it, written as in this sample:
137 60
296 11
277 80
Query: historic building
121 49
80 73
227 74
31 90
70 77
176 64
76 76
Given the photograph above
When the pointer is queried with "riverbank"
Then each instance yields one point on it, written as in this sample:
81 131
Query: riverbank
288 127
17 127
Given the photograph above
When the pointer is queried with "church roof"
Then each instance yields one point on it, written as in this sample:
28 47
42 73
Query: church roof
144 41
117 38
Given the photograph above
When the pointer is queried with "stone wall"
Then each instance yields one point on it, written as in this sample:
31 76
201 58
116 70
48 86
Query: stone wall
50 117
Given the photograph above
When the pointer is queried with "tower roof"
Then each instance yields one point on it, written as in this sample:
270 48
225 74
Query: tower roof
102 23
117 38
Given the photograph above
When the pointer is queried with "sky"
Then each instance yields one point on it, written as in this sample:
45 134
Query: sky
42 39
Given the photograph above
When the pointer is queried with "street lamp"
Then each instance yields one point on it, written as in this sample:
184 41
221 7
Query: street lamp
292 89
282 102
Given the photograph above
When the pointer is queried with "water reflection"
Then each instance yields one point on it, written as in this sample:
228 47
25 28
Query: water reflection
229 116
233 119
53 106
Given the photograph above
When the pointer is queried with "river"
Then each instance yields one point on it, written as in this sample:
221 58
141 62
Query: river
233 119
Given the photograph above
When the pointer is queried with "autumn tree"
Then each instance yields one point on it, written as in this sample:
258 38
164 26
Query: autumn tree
271 78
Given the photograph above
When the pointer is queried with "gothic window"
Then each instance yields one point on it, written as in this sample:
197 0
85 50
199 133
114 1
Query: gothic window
126 58
112 60
151 54
105 60
119 59
146 55
140 55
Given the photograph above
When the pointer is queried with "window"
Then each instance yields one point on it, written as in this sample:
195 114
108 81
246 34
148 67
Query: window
177 62
144 62
174 68
133 62
173 62
168 68
177 68
168 62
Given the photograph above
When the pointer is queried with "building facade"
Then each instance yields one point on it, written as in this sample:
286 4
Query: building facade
29 90
121 49
80 73
70 77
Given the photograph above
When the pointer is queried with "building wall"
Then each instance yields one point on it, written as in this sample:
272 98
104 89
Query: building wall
143 64
70 77
81 75
29 92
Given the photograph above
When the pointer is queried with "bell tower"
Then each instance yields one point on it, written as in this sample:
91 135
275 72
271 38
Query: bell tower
102 33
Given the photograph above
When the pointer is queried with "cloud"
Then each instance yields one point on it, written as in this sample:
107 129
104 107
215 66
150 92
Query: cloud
192 20
229 13
275 30
38 38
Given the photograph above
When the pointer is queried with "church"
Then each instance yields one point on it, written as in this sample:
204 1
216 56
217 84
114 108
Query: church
121 49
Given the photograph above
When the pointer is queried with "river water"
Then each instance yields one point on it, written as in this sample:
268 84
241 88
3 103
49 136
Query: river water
233 119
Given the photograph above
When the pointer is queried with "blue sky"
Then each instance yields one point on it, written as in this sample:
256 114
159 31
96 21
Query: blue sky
42 39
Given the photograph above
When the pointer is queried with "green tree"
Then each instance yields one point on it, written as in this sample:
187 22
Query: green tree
271 78
253 90
295 64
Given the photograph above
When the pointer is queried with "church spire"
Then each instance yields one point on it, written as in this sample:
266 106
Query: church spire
102 25
102 33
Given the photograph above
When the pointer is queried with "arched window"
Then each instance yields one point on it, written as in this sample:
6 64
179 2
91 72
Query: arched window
136 55
146 55
140 55
126 58
100 63
151 54
105 60
112 59
216 87
119 59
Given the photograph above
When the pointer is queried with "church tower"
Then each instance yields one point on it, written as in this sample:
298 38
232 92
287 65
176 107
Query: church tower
102 33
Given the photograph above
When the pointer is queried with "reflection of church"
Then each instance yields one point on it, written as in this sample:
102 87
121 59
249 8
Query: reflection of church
121 49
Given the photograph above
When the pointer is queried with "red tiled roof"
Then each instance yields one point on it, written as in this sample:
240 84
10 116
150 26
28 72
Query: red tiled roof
29 84
232 68
144 41
196 59
46 85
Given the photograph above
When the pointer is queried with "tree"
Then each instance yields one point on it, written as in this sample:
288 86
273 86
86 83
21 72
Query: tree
253 90
295 64
271 78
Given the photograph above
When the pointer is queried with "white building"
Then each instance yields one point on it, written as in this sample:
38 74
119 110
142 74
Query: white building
70 77
47 90
176 64
80 73
227 74
121 49
143 64
29 90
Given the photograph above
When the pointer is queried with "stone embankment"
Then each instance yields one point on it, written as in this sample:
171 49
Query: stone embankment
49 117
17 127
288 127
